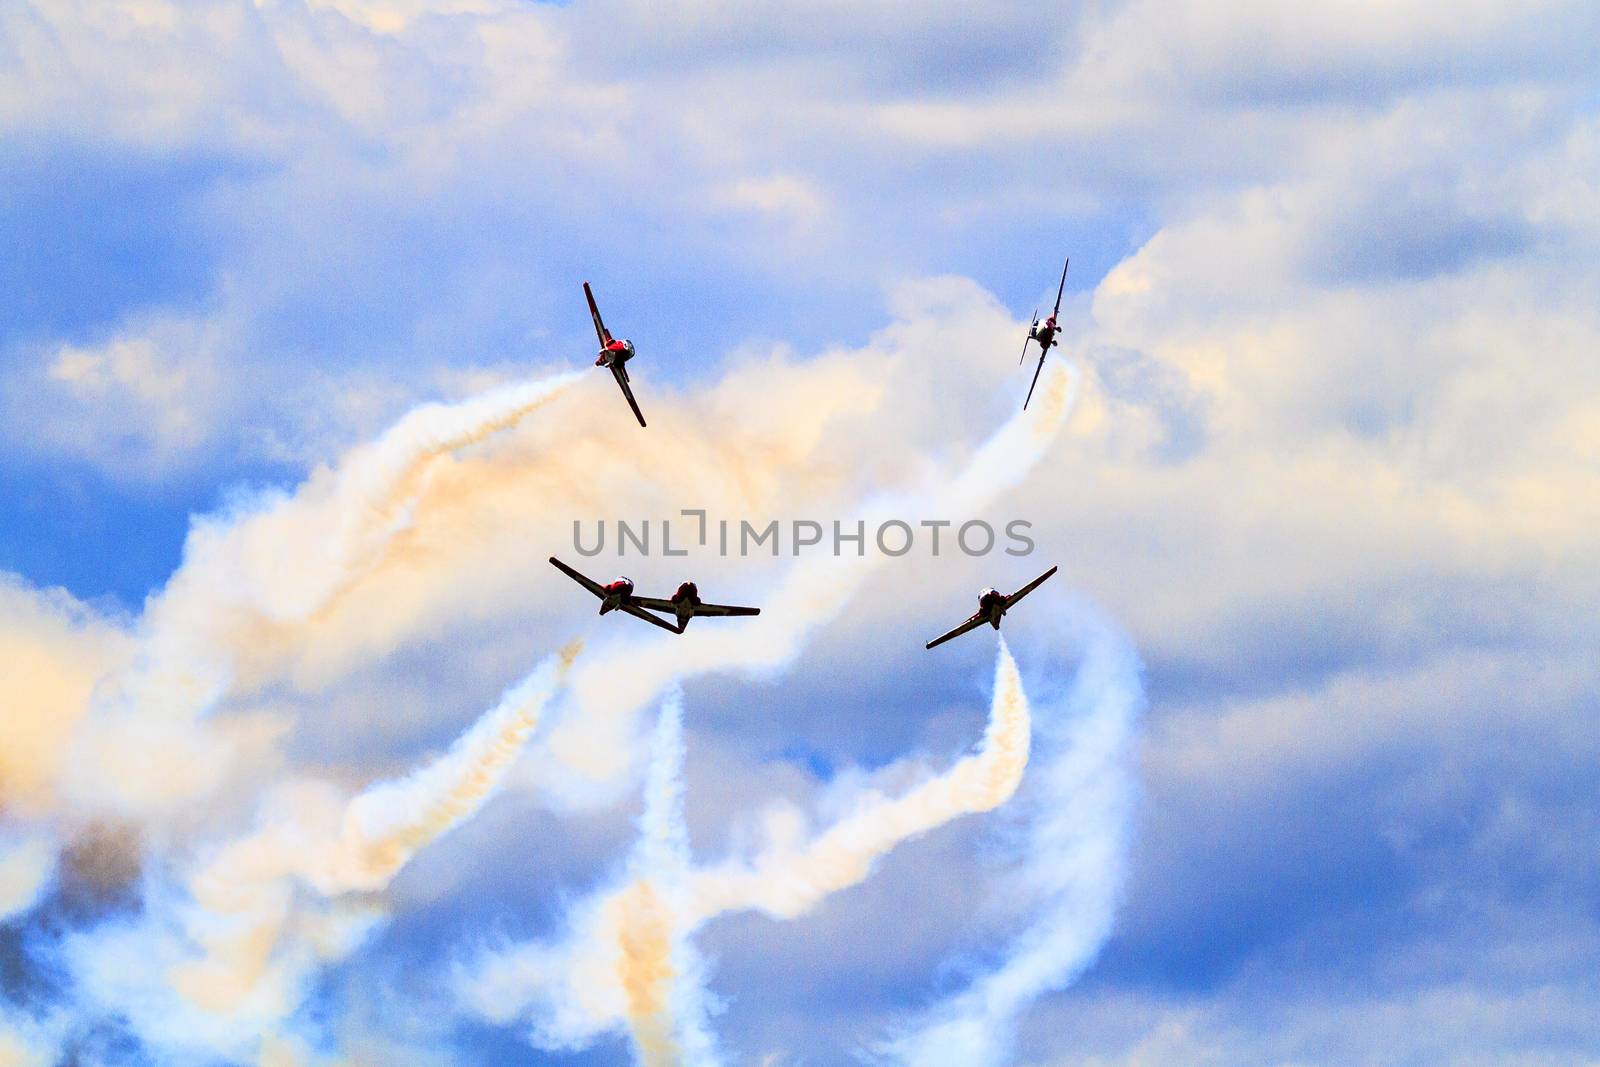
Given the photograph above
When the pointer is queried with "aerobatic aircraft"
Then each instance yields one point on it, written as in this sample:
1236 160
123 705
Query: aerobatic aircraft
614 353
1044 333
686 604
615 596
992 606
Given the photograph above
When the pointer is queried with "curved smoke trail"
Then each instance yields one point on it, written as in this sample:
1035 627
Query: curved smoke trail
250 933
387 824
252 578
787 882
1077 814
628 960
333 529
623 962
368 498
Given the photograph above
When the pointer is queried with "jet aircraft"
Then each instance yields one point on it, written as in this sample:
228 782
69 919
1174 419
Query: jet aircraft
614 596
1045 334
686 604
614 353
992 606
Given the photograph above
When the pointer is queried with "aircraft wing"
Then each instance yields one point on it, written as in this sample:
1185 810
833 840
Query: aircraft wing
600 330
1063 286
1036 371
1028 338
971 624
700 610
639 613
593 586
1030 587
723 609
622 383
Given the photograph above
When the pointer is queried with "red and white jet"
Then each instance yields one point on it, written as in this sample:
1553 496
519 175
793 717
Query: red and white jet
686 604
992 606
614 596
614 353
618 596
1044 333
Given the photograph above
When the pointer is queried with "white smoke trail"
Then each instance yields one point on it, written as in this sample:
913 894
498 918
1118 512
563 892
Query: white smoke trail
1075 823
593 726
1073 856
267 909
656 964
334 528
578 990
627 962
231 952
389 823
787 882
250 582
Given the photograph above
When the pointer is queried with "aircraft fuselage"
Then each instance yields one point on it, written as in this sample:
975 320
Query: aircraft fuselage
618 593
684 602
616 353
1045 333
992 606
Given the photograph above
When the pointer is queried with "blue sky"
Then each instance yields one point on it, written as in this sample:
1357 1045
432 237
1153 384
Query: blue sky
1328 471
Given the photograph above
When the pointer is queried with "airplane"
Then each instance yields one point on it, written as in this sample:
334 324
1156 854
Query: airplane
686 604
1045 334
992 606
615 596
614 353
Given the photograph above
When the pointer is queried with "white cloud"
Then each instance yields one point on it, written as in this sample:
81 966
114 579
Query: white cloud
785 197
53 651
27 865
149 399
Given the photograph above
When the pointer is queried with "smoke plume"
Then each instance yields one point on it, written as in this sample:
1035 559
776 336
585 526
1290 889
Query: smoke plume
628 960
1070 855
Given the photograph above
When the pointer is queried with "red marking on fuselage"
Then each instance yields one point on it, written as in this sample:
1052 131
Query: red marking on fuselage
1045 332
617 350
